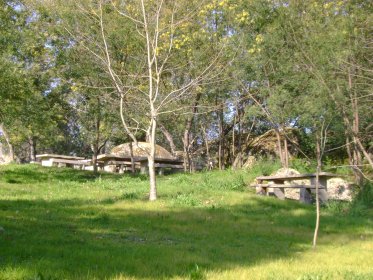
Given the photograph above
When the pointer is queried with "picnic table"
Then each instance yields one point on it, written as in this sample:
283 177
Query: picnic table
121 163
111 163
276 184
161 164
61 160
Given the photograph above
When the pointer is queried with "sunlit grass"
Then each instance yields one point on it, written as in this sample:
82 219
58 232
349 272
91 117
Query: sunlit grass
69 224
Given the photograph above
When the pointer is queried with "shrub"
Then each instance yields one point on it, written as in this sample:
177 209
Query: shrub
363 201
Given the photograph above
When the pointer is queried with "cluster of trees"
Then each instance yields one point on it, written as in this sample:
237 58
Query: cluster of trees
200 77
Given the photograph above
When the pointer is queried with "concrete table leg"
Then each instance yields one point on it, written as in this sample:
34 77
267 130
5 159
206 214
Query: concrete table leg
144 169
279 193
305 196
323 194
260 190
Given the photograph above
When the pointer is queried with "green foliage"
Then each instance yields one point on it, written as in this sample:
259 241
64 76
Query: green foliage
265 167
303 165
363 201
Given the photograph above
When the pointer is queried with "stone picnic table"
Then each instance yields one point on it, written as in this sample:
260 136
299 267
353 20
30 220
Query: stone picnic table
276 183
161 164
122 162
61 160
110 162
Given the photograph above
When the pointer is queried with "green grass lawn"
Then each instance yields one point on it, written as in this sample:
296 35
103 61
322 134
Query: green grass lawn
68 224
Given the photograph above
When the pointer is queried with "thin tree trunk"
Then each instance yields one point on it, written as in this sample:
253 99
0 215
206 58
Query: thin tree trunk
286 153
351 159
318 170
221 140
207 146
95 146
186 142
151 163
132 159
233 142
239 142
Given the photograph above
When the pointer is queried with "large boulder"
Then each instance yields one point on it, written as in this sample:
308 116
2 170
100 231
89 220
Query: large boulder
339 189
290 193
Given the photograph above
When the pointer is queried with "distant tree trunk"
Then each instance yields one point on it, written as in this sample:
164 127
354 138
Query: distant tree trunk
207 146
221 139
8 142
186 138
353 130
95 145
279 148
239 141
94 158
286 153
169 138
233 142
32 144
186 143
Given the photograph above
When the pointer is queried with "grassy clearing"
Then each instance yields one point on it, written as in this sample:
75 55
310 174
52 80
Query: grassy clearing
68 224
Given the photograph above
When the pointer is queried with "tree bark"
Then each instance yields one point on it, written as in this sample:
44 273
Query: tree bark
94 158
318 170
8 142
132 159
286 153
279 148
221 140
186 138
32 145
169 138
151 163
97 140
233 142
239 141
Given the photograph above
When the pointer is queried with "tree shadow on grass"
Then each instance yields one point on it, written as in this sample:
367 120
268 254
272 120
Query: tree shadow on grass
37 174
77 239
